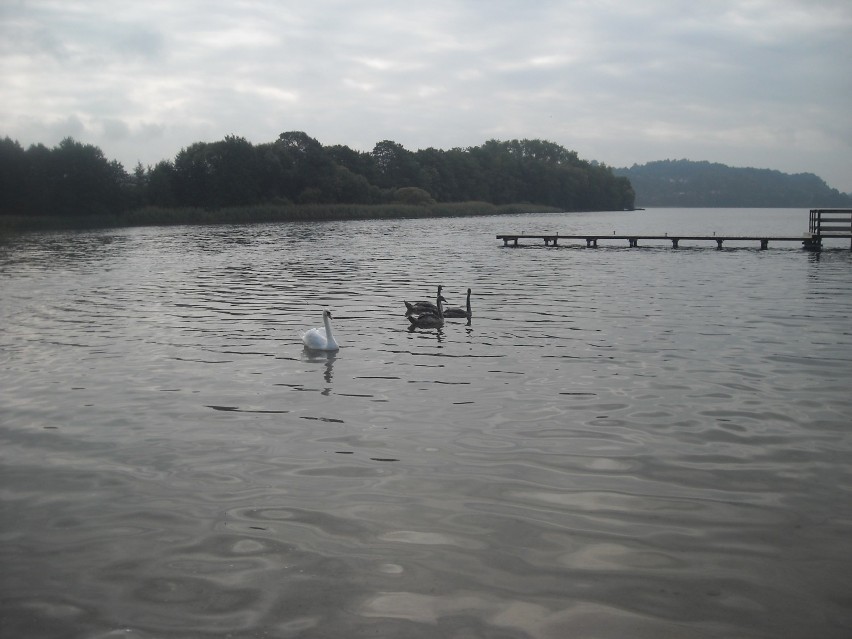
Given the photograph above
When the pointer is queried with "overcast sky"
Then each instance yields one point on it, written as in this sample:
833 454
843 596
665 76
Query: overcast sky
762 83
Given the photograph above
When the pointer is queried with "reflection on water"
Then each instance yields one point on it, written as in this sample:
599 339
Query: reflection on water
322 357
623 442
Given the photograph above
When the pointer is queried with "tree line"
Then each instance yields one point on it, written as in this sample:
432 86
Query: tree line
710 184
76 179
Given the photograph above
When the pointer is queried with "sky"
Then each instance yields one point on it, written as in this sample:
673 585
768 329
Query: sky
758 83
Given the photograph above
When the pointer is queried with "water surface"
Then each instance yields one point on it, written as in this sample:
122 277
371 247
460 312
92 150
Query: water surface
640 442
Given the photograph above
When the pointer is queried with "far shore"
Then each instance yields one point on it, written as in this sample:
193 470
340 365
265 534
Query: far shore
157 216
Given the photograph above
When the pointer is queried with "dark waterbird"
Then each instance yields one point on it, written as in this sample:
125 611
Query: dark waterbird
422 306
458 311
429 319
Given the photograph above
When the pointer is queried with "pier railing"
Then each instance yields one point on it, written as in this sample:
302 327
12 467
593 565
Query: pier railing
828 222
824 223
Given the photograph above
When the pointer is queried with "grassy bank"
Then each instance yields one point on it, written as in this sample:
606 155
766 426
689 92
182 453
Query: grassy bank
155 216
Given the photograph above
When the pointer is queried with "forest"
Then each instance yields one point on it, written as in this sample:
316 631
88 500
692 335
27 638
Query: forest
76 179
709 184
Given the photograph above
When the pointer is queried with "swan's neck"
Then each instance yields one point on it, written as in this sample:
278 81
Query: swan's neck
329 336
440 309
468 302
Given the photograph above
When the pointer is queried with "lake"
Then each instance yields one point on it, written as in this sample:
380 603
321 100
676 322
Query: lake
624 442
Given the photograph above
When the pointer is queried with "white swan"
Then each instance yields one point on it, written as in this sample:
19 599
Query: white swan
321 339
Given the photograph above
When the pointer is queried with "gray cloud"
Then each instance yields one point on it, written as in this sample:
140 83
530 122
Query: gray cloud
748 83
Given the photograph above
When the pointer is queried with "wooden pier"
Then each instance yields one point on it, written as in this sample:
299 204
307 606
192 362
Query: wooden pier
824 223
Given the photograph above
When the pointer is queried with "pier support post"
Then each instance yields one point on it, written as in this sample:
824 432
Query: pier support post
674 242
634 241
591 242
813 243
718 244
764 244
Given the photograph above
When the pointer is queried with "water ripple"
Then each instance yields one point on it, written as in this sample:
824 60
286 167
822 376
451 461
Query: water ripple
622 442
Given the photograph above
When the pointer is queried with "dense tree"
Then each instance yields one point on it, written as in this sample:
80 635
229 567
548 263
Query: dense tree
72 179
160 183
217 174
465 178
412 195
351 188
394 166
84 182
13 177
357 162
305 167
192 175
75 179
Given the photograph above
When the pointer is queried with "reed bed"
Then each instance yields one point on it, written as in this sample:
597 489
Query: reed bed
158 216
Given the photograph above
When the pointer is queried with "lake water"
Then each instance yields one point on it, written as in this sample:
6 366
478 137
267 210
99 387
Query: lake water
624 442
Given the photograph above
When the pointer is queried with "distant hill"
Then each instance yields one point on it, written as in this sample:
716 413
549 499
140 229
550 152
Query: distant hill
698 184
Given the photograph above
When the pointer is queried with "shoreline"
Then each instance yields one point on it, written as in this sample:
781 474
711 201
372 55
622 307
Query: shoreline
258 214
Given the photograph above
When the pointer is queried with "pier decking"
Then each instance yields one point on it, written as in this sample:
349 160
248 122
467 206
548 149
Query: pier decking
633 240
824 223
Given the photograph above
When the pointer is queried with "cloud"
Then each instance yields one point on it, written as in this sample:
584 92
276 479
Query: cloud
743 82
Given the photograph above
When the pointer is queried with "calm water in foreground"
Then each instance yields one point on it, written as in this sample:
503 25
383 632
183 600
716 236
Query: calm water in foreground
624 443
